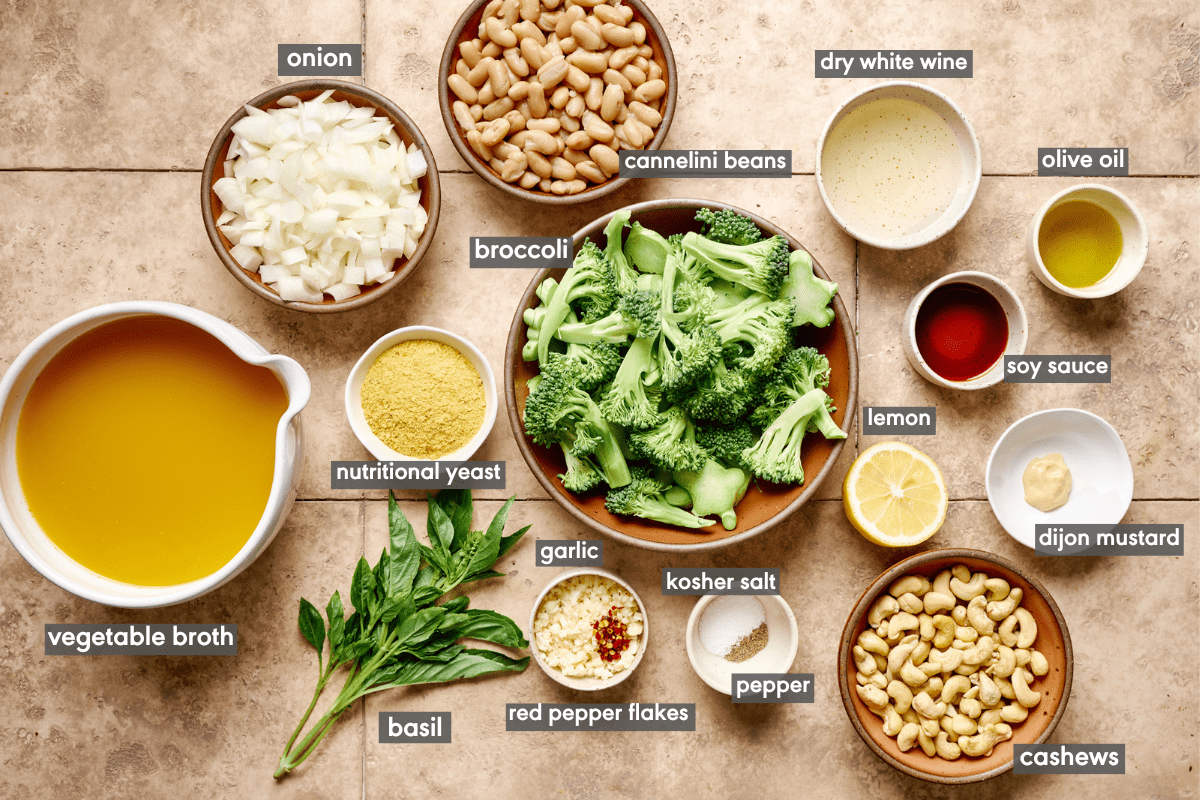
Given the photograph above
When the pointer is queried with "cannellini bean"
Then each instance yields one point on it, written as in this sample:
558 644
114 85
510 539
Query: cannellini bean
462 115
590 171
605 158
567 187
650 90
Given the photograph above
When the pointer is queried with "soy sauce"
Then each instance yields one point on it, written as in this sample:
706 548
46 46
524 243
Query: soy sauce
961 331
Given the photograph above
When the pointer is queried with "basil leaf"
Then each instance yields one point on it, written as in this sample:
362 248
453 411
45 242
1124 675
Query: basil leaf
396 608
485 554
441 530
437 559
381 572
507 542
425 595
419 626
458 507
479 576
470 663
312 625
457 604
405 555
337 626
362 589
443 653
490 626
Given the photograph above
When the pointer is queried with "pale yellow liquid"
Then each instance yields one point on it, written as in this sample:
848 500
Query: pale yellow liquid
891 167
146 450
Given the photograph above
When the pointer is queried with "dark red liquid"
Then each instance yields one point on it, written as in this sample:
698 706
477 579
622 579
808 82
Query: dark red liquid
961 331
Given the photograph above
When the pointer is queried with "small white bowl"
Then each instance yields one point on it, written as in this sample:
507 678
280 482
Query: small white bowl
1101 475
783 641
969 175
1014 311
589 684
1134 247
354 412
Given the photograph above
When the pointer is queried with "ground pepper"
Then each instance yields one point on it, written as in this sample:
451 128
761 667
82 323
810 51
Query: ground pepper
423 399
750 646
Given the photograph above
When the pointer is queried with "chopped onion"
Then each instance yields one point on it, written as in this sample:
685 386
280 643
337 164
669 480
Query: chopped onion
320 197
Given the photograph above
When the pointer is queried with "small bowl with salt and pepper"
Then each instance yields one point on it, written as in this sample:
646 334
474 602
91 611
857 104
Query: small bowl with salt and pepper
729 634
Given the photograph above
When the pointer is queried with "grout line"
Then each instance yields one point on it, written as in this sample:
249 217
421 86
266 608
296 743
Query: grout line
471 172
364 500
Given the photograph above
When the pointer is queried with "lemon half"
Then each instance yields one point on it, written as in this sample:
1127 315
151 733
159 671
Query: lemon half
894 495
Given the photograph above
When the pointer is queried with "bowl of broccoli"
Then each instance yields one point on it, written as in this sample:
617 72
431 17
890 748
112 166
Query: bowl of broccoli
688 382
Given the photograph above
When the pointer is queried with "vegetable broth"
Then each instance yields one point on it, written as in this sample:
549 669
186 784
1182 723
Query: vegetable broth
891 167
961 331
146 450
1080 242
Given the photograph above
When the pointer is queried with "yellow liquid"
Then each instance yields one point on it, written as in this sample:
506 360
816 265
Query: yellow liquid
891 167
146 450
1080 243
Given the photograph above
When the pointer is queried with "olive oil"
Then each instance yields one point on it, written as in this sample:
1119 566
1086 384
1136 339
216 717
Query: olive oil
1080 242
146 450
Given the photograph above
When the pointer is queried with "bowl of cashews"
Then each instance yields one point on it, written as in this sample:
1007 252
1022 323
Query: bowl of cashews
950 658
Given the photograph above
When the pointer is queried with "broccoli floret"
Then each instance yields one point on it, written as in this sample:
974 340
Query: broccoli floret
762 326
670 444
599 364
589 280
643 497
715 490
813 297
726 442
776 454
722 395
558 411
693 301
624 275
646 249
683 357
761 266
726 225
630 401
632 317
582 474
800 371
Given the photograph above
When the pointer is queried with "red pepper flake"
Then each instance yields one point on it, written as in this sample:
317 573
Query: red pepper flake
612 635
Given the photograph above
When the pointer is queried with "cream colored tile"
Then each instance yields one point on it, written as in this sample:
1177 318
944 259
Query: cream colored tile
1149 328
212 726
143 85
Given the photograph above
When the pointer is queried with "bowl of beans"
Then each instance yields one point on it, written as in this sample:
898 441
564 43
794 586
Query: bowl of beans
540 96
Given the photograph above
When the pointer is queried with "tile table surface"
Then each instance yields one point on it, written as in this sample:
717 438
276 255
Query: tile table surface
106 114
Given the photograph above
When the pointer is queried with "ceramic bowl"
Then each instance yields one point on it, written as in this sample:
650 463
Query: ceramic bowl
1101 475
353 392
969 175
214 169
1014 311
466 29
43 555
589 684
1134 248
783 641
765 504
1053 641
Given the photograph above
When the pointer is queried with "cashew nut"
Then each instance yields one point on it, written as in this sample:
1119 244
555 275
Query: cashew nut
951 660
1005 663
955 686
989 692
961 571
945 628
869 640
877 679
965 633
959 615
907 739
941 583
909 583
923 704
864 661
968 590
926 743
911 603
990 717
1028 628
1000 608
884 607
1003 731
875 698
902 621
892 724
946 748
1023 656
911 675
978 618
1007 632
1014 712
963 725
920 653
997 588
930 726
981 744
1038 664
901 694
934 687
925 626
1024 695
900 654
971 707
936 601
1006 687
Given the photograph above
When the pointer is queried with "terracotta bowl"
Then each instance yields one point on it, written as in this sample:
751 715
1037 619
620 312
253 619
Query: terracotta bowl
214 169
1053 641
465 30
765 504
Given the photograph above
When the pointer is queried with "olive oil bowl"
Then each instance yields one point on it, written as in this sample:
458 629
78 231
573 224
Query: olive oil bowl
149 452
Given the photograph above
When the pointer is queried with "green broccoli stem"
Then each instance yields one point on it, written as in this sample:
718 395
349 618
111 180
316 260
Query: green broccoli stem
777 452
659 510
608 453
